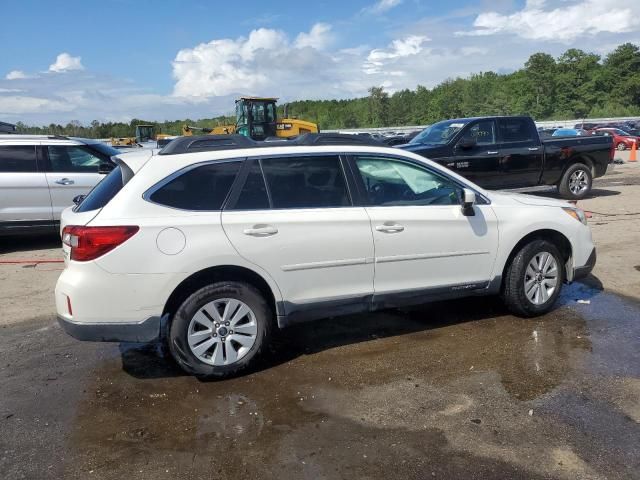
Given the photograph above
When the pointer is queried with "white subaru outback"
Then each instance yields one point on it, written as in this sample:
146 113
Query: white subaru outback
216 240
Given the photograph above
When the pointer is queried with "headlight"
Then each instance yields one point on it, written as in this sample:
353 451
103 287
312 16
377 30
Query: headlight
576 213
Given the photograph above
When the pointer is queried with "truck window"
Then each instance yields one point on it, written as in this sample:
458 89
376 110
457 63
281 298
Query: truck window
484 132
516 130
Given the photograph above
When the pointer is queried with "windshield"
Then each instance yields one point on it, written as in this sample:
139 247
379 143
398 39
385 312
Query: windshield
439 133
622 133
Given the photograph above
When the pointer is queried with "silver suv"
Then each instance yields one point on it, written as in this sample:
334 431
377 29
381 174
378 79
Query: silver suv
40 176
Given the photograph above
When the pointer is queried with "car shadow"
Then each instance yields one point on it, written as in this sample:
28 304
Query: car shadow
154 361
29 243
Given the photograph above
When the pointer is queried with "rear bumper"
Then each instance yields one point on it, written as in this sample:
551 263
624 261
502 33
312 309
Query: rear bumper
585 270
145 331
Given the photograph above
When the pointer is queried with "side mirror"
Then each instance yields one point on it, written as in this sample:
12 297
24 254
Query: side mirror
77 200
467 142
105 167
468 201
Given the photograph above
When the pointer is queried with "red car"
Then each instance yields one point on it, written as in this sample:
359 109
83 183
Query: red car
621 139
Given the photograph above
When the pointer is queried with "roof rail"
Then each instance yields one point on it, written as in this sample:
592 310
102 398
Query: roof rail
58 137
207 143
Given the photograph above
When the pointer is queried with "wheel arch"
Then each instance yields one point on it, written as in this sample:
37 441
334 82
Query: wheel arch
554 236
215 274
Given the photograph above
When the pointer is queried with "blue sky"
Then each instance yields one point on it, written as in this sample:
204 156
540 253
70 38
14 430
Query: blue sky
117 60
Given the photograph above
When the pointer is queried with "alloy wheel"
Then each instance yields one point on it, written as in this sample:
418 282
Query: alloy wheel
541 278
222 331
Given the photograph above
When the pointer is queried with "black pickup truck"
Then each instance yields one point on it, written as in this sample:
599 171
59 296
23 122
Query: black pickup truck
507 152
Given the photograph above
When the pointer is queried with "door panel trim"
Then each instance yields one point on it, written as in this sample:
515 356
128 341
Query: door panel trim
326 264
426 256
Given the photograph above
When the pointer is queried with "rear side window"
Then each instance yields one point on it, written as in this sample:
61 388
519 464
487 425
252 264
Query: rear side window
201 188
306 182
253 195
18 158
515 130
103 192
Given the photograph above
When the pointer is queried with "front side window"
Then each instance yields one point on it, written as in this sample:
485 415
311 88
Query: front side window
390 182
482 133
18 158
306 182
515 130
70 158
202 188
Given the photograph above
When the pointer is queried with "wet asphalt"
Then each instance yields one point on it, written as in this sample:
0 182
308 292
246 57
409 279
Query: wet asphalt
449 390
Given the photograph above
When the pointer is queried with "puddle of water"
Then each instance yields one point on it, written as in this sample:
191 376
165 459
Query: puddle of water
457 387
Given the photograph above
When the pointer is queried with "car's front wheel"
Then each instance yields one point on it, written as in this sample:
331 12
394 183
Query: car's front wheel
621 146
220 329
533 279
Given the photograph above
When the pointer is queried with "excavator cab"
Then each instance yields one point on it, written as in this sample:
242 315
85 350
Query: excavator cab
145 133
256 117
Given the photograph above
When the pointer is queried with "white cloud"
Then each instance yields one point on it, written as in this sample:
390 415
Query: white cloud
65 62
18 104
382 6
562 23
319 37
380 57
265 60
15 75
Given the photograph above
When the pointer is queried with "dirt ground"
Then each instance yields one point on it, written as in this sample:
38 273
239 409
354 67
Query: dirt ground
448 390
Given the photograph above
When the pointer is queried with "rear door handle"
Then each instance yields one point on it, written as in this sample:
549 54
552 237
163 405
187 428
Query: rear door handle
260 231
533 149
393 228
65 181
492 152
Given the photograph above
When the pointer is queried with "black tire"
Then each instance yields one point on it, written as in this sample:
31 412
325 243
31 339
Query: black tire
564 185
513 293
179 346
621 146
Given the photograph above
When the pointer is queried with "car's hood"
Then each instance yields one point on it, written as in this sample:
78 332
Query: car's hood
507 198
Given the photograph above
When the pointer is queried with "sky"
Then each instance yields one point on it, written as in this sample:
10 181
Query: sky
114 60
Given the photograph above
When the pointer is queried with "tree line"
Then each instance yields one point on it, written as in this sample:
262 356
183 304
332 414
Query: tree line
577 84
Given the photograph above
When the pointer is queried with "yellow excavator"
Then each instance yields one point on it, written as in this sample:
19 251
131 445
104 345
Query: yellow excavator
256 118
144 134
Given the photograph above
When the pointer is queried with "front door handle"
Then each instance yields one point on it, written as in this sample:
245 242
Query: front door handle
390 228
65 181
492 152
260 231
533 149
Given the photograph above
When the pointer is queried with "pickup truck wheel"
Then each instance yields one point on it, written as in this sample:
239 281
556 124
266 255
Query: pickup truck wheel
576 182
533 279
220 329
621 146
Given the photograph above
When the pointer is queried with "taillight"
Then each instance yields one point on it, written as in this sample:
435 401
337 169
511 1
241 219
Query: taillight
89 243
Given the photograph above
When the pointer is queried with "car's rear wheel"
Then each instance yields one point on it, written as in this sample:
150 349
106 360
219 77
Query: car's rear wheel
533 279
220 329
621 146
576 182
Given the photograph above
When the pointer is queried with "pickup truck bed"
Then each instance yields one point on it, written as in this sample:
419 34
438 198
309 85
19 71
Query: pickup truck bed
507 152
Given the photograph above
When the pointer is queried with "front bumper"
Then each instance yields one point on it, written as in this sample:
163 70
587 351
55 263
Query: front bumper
145 331
585 270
